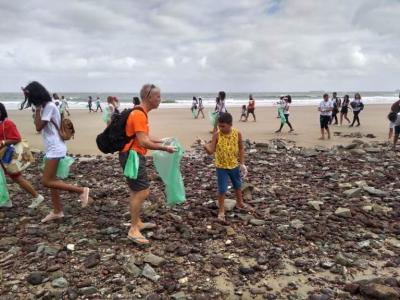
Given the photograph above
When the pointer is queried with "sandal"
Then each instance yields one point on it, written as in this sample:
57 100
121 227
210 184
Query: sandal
139 241
52 216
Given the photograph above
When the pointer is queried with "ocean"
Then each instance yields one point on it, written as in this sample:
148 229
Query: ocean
12 101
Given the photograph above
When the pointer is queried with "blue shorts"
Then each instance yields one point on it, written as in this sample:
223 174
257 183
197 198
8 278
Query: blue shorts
397 130
224 174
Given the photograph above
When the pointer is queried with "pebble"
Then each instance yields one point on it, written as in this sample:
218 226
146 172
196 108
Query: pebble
35 278
60 282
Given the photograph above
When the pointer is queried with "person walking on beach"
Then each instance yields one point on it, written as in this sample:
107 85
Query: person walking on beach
345 109
200 108
138 126
394 118
57 101
250 108
325 108
396 109
64 105
135 101
243 116
337 102
90 103
112 108
357 107
287 100
227 145
194 108
219 108
9 135
48 122
98 105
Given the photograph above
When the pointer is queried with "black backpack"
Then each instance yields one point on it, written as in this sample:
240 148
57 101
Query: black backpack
114 137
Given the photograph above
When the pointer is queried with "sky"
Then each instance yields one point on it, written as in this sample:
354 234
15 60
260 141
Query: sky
202 46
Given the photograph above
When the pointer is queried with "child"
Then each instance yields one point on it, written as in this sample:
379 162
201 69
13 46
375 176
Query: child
394 119
244 113
227 145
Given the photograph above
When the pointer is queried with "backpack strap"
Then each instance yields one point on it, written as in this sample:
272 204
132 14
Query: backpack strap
132 138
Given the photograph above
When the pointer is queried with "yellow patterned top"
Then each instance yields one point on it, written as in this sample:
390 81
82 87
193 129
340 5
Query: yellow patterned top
227 150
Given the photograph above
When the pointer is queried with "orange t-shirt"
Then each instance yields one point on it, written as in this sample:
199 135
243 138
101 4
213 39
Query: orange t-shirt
137 122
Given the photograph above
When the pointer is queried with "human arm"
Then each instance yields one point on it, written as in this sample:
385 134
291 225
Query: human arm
145 142
39 123
156 140
210 147
243 168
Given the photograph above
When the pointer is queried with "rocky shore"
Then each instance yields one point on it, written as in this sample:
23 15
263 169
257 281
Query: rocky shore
326 226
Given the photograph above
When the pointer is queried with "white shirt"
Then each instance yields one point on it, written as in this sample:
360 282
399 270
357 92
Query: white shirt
396 123
326 108
286 108
357 106
54 146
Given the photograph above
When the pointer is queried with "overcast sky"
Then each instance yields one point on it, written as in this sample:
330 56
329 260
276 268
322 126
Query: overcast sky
207 45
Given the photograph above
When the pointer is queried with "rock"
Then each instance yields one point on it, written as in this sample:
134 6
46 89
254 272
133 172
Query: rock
372 150
345 185
257 291
59 283
353 192
230 231
92 260
257 222
326 264
344 261
315 204
153 260
72 294
178 296
367 208
352 288
245 270
88 290
319 297
229 204
374 192
358 151
149 273
380 209
35 278
343 212
379 291
71 247
297 224
131 268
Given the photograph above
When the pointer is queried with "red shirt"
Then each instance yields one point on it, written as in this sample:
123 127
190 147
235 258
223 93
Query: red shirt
8 131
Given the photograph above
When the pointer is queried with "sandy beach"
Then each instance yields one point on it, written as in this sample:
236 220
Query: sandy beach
179 123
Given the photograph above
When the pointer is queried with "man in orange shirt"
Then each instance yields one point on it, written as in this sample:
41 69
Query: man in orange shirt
137 125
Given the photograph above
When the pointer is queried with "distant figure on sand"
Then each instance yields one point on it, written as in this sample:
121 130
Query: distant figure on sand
336 107
243 116
345 109
90 103
200 108
47 121
287 100
394 118
9 135
396 109
227 144
357 107
64 105
137 125
112 108
57 101
194 108
325 108
219 107
135 101
98 104
251 107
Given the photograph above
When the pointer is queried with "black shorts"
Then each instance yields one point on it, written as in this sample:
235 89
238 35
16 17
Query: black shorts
142 181
324 121
397 130
344 110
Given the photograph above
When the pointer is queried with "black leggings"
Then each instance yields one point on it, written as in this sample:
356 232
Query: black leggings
356 117
287 122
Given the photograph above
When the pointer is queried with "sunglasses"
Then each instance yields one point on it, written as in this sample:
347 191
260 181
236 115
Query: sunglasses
151 88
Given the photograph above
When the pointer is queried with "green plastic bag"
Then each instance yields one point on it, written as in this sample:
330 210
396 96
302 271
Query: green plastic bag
4 196
194 113
132 165
281 115
213 117
106 115
168 167
63 167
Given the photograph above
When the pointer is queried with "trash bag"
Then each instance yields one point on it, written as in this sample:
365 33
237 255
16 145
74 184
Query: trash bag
63 167
194 113
4 196
213 117
168 167
132 165
106 115
281 115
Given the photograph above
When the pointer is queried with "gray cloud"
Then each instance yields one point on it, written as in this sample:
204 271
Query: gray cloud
200 45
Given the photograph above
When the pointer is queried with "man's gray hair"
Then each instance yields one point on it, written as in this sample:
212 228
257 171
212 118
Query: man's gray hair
145 91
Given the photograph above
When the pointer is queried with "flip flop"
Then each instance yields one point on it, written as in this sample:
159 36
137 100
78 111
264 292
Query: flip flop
137 241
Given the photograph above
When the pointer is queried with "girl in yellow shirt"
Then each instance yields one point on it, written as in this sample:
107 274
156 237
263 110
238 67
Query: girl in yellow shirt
227 145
